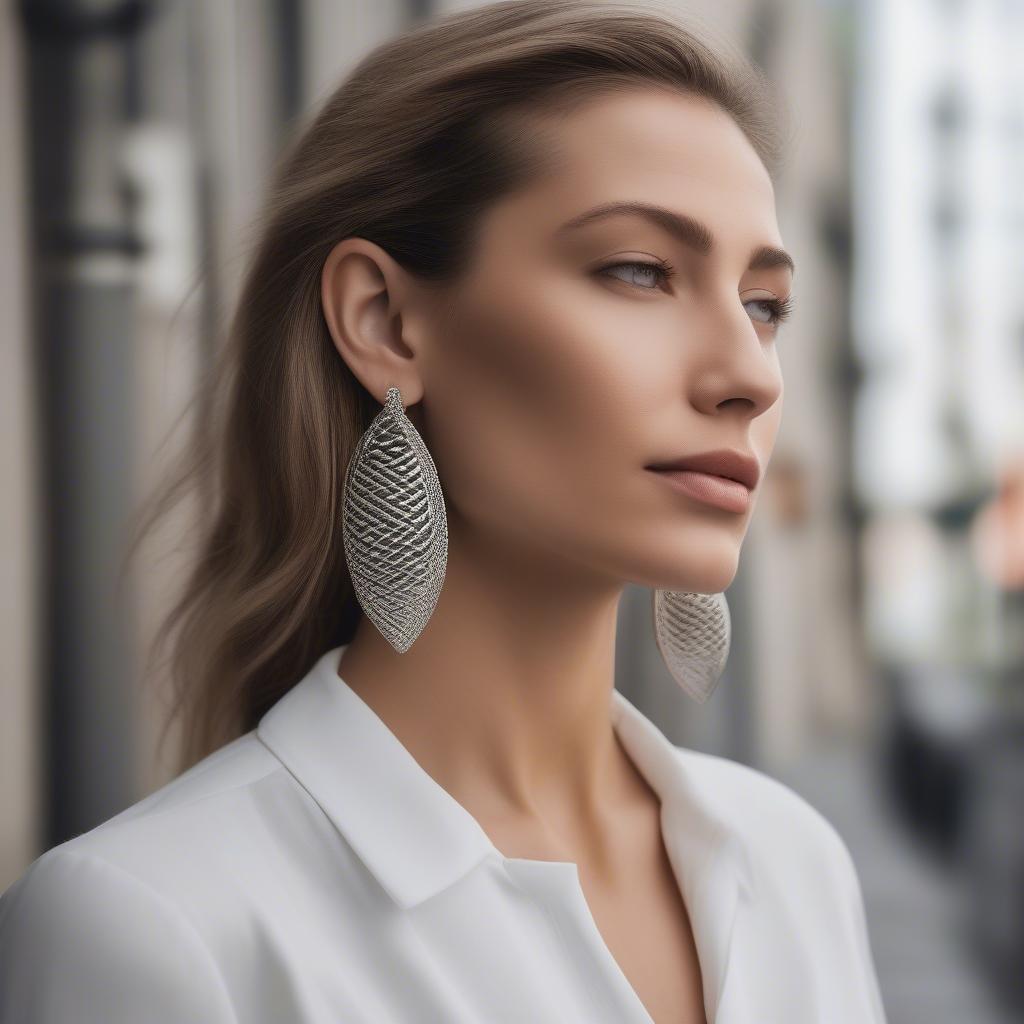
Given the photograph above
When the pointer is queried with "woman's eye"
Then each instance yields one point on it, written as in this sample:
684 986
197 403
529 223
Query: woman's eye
773 311
640 271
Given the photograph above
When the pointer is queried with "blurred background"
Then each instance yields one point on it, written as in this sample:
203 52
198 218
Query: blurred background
877 663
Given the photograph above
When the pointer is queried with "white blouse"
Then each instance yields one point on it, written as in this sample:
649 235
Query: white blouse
312 871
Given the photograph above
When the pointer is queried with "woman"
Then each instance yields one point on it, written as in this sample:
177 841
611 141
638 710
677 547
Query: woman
523 259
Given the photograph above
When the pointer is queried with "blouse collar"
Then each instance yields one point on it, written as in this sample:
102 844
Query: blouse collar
417 840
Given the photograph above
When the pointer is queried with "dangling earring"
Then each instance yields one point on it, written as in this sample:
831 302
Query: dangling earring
394 527
693 632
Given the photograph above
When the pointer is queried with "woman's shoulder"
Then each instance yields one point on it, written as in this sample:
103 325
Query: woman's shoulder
801 874
110 924
197 812
173 855
83 939
780 830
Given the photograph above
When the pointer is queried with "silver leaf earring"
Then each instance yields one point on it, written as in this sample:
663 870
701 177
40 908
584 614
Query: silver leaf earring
394 526
693 632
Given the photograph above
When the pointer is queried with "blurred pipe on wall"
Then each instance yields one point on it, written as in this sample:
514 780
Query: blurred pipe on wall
20 763
82 86
114 188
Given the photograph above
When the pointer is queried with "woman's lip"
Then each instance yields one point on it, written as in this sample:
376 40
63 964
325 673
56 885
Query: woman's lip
719 491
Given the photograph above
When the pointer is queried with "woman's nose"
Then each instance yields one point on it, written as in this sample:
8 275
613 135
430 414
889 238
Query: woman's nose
735 366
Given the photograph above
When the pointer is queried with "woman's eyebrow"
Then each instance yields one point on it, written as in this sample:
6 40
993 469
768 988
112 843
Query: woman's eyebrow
687 229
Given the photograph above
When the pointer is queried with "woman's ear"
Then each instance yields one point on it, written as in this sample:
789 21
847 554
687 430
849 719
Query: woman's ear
362 290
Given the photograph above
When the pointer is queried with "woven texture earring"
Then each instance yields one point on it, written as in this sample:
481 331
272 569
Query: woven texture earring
693 632
394 526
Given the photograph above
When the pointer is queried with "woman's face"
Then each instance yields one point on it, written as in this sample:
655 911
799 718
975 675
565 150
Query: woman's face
561 370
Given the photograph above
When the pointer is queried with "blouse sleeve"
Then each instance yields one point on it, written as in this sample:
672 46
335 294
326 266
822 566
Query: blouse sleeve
83 941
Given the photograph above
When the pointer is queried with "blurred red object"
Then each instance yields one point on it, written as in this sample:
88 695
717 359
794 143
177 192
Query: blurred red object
997 533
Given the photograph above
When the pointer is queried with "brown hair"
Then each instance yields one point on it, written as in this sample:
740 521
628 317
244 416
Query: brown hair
422 135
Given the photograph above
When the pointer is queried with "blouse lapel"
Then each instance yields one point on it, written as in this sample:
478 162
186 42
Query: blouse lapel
709 862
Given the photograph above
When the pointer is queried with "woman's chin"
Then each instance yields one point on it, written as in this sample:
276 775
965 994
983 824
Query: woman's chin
709 577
